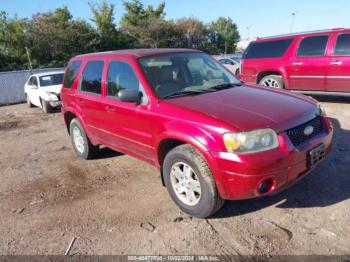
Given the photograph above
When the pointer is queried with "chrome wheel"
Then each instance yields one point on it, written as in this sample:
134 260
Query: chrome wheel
185 183
78 140
270 82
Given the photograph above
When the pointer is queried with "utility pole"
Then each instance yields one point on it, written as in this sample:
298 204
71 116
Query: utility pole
248 31
30 62
292 21
226 38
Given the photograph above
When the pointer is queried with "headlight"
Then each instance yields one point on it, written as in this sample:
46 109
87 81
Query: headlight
251 142
320 110
52 96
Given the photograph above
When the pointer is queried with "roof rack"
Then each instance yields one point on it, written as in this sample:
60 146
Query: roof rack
301 33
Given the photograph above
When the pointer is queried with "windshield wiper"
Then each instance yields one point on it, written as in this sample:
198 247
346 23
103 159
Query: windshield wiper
183 93
224 86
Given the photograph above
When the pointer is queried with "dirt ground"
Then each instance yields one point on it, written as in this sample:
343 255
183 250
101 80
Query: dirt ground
116 204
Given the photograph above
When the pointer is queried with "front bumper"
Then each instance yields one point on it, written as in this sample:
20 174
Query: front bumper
241 175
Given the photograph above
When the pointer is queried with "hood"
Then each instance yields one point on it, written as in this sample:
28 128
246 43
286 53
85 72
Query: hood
251 107
53 89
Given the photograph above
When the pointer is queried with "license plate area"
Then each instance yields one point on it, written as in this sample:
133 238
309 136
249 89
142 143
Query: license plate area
316 155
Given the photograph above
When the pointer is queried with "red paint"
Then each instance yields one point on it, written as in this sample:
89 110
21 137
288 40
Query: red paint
324 73
201 121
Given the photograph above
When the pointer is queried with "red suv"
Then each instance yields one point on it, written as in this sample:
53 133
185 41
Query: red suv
212 137
314 62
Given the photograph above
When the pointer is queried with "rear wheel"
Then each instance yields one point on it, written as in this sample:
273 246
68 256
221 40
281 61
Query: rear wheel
190 182
275 81
81 143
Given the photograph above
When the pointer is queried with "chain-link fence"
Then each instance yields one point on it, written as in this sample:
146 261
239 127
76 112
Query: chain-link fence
12 84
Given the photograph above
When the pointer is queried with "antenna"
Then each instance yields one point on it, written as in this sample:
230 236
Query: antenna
292 21
248 31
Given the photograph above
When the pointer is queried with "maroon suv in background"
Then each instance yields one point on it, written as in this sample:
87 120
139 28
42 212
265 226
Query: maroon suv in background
312 62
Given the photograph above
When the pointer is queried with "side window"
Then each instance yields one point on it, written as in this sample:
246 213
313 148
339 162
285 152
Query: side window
267 49
342 46
33 81
30 81
313 46
120 76
71 73
92 77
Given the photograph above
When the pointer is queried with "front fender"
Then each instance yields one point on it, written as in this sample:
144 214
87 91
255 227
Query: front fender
200 139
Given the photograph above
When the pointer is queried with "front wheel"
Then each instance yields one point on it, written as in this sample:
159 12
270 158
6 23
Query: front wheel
190 182
275 81
81 143
46 107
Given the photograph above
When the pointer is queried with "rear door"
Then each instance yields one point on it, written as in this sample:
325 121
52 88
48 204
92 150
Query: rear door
338 64
307 68
89 98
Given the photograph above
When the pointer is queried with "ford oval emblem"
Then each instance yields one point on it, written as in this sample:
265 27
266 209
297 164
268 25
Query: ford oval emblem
308 130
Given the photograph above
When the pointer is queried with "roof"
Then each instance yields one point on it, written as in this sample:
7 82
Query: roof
141 52
49 73
304 33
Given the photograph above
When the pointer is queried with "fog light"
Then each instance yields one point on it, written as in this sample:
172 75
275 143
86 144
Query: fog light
266 186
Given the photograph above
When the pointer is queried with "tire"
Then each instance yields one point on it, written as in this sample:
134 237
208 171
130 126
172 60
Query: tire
208 201
30 105
84 149
274 81
46 107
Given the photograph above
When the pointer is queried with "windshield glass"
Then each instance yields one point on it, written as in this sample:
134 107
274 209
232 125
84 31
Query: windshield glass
185 73
51 80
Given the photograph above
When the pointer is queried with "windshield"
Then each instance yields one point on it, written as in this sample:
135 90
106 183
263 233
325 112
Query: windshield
51 80
185 73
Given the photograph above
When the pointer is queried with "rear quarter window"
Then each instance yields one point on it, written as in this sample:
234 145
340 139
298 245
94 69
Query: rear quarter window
267 49
71 73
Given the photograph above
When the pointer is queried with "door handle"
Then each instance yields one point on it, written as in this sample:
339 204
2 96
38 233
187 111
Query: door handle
297 63
336 63
110 108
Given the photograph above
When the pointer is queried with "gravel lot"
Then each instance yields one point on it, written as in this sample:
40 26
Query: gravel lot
116 204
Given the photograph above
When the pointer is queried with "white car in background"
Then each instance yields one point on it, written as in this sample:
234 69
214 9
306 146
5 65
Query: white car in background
231 63
43 90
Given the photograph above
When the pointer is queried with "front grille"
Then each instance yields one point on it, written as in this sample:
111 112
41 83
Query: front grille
297 136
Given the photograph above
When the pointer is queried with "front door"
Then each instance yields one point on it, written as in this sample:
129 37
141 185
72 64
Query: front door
307 69
33 92
338 65
127 127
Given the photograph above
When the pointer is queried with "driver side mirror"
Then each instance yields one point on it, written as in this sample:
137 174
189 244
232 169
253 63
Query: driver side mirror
130 95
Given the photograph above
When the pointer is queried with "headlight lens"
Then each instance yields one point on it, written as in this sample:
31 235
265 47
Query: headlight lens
52 96
251 142
320 110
